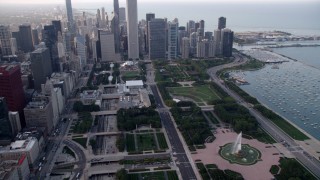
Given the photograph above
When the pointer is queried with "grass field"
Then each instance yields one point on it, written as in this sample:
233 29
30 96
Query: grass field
161 175
81 141
162 141
130 75
146 142
130 143
201 93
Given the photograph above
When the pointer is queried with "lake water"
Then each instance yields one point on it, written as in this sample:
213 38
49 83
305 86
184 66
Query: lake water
292 90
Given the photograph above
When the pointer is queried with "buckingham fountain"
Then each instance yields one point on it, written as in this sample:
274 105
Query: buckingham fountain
238 153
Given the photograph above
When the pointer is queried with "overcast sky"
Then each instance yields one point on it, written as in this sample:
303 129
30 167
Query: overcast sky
149 1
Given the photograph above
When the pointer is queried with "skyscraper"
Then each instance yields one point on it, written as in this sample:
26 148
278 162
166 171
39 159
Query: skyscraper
106 39
25 35
11 89
122 15
103 18
5 127
40 66
222 23
149 17
116 28
5 40
185 46
98 18
191 27
50 37
227 42
81 49
70 16
35 37
173 40
157 39
132 26
217 42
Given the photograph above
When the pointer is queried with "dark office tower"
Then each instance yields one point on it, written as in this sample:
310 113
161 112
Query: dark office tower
70 16
57 27
196 26
40 66
16 35
35 37
11 89
227 42
50 38
157 38
5 128
25 36
149 17
222 23
116 28
201 24
181 34
208 35
191 27
98 18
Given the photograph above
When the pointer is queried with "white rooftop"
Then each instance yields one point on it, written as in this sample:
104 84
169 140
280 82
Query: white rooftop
18 144
134 83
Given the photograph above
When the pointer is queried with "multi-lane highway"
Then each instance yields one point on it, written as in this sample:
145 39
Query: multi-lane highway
311 163
178 150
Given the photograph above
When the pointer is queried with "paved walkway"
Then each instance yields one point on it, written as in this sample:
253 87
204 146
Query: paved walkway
258 171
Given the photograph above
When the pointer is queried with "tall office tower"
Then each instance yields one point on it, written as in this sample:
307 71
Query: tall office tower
201 27
191 26
16 35
222 23
6 133
181 34
173 40
196 26
226 42
103 18
122 15
50 38
116 27
149 17
217 42
208 35
185 46
25 36
193 43
84 18
157 39
35 37
14 45
57 27
81 50
5 40
14 119
106 39
98 18
40 67
132 26
71 26
11 89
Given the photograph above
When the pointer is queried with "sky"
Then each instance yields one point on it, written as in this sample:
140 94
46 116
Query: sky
122 2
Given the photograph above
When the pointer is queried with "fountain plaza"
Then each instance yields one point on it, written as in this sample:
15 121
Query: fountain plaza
229 150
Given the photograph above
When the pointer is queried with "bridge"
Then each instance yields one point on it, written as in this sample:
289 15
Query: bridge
100 113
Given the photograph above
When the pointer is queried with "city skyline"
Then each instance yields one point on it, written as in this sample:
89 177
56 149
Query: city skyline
122 2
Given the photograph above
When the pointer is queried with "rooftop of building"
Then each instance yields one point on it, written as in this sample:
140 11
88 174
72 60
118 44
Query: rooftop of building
39 50
19 145
134 83
6 69
7 166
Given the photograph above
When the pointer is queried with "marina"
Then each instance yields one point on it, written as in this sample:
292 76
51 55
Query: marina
291 89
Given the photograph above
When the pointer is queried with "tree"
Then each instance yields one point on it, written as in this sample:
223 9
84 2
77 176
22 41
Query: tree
122 175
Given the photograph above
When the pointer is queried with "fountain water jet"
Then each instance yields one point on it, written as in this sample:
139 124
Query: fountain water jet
236 148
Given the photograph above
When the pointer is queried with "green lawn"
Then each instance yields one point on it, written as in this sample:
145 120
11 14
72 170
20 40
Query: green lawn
81 141
172 175
146 142
130 75
162 141
154 175
202 93
130 143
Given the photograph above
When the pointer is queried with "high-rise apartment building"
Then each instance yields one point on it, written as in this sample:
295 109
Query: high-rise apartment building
222 23
193 43
173 40
25 35
157 39
122 15
5 40
185 46
132 29
191 27
11 89
40 66
226 42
